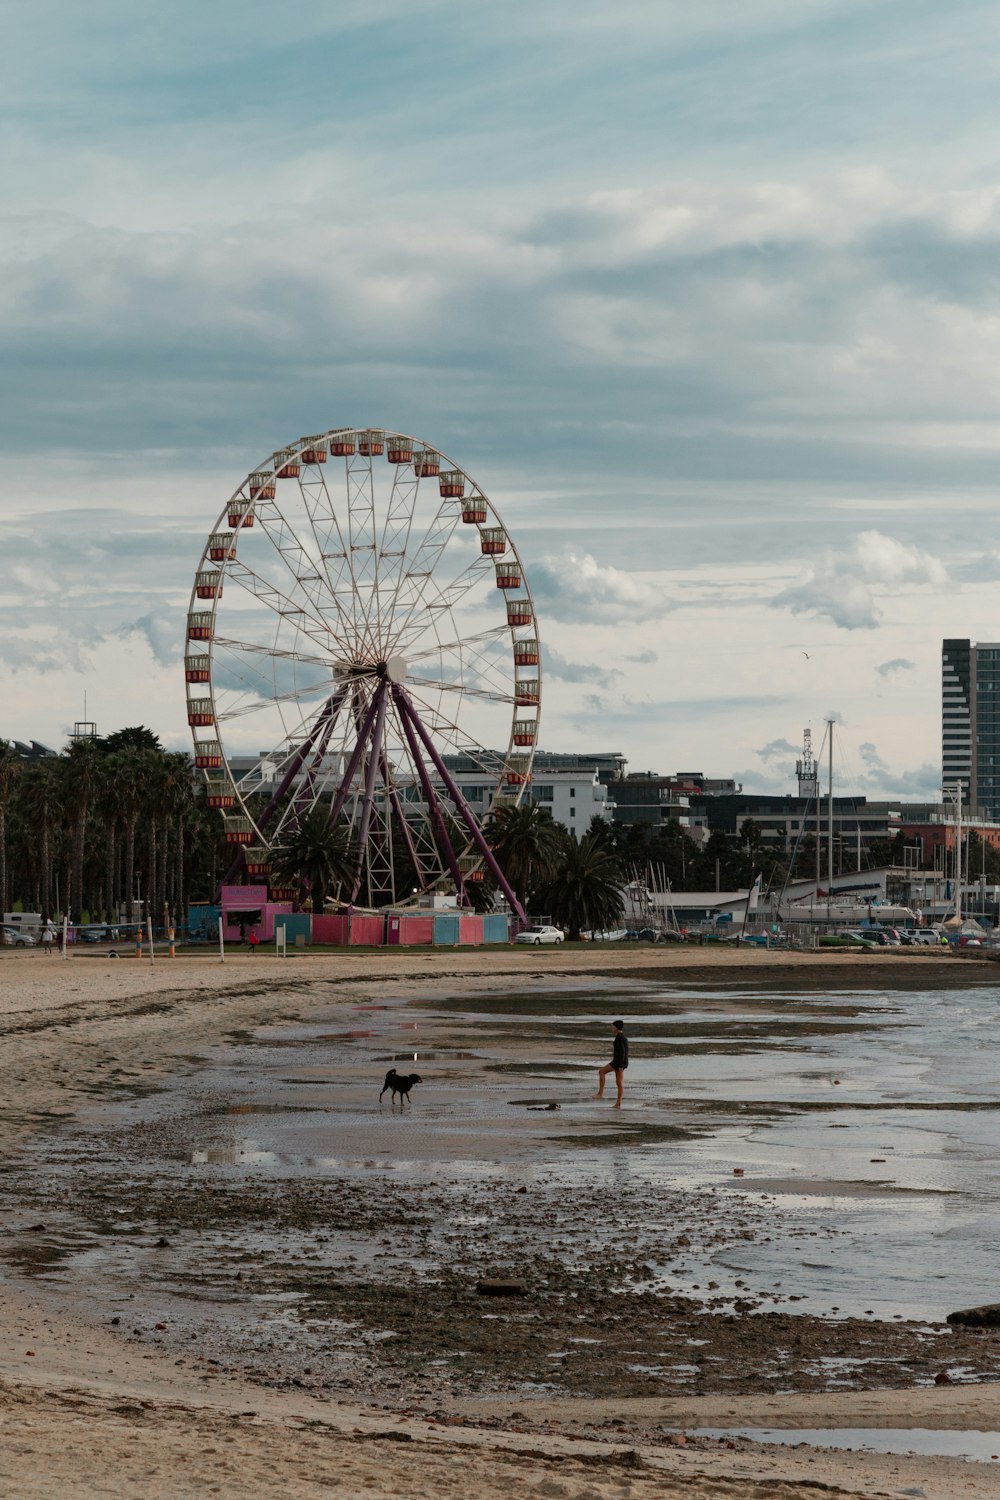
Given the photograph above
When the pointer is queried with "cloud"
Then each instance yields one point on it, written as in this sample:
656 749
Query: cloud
778 747
559 666
871 758
163 629
897 664
843 586
576 589
644 658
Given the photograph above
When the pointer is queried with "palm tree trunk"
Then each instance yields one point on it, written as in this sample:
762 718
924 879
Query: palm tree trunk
180 910
151 885
130 869
76 874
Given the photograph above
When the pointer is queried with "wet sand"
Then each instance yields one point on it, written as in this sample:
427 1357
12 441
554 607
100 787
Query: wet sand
99 1407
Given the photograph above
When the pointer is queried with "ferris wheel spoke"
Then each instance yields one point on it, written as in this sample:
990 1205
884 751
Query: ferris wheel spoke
443 600
306 572
275 599
473 663
307 692
461 689
415 576
331 546
254 648
496 633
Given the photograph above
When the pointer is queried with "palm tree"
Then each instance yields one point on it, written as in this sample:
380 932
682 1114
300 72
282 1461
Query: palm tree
129 771
318 855
178 802
585 892
80 771
40 805
10 765
527 844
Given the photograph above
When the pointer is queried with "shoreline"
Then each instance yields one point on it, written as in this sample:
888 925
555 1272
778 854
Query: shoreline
100 1025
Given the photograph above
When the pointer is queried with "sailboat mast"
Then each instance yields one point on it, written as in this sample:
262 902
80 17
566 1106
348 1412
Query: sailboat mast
829 812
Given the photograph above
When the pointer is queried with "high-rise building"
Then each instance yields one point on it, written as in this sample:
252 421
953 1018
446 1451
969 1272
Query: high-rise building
956 714
970 721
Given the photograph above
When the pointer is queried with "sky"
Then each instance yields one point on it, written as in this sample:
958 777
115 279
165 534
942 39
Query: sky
706 297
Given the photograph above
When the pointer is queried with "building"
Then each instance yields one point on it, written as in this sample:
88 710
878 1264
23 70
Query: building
970 722
33 750
957 713
570 786
573 787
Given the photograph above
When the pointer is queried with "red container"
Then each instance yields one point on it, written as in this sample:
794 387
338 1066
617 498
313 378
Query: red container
470 931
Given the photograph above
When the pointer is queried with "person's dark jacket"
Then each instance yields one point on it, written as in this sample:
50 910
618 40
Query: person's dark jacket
619 1056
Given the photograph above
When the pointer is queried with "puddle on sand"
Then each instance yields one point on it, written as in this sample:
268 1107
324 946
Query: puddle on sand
983 1447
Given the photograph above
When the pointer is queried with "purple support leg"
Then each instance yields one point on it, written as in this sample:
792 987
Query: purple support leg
409 716
344 790
328 713
404 827
366 807
430 796
319 750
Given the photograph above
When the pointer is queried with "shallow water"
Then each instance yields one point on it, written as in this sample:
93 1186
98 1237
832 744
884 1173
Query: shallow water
864 1122
922 1441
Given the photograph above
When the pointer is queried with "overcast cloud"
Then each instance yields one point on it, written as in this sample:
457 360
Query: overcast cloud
705 296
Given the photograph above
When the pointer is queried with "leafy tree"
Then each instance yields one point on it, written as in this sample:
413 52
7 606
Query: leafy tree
136 738
39 804
10 765
585 891
318 856
528 846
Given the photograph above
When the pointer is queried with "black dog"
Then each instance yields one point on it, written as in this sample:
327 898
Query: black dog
401 1084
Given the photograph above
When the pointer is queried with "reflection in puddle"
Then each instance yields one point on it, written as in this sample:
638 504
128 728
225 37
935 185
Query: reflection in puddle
928 1442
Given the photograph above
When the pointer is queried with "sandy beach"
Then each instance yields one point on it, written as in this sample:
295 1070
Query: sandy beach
92 1405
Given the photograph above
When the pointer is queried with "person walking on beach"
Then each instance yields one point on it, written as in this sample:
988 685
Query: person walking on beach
48 936
617 1065
252 941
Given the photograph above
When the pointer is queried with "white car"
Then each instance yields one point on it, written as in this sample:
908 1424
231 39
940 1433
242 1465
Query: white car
15 937
538 935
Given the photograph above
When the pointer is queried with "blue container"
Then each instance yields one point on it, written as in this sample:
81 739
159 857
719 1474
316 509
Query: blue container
445 929
495 928
203 924
296 924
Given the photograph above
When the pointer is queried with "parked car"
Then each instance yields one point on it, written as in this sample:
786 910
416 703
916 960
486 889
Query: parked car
857 938
97 932
16 937
538 935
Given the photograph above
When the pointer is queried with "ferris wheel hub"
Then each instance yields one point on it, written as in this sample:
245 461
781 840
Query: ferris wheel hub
392 669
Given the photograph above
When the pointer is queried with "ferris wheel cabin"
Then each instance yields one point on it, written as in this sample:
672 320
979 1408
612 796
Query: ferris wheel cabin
287 464
426 463
240 512
197 668
199 626
208 585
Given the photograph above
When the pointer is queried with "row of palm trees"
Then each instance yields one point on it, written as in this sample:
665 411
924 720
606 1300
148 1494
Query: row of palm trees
107 823
115 821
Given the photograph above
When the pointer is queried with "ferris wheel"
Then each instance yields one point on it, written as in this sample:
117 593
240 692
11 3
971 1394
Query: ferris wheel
361 642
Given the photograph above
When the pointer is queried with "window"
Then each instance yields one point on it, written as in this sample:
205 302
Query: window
572 812
572 791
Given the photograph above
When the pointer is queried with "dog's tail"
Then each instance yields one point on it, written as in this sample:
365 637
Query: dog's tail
388 1080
